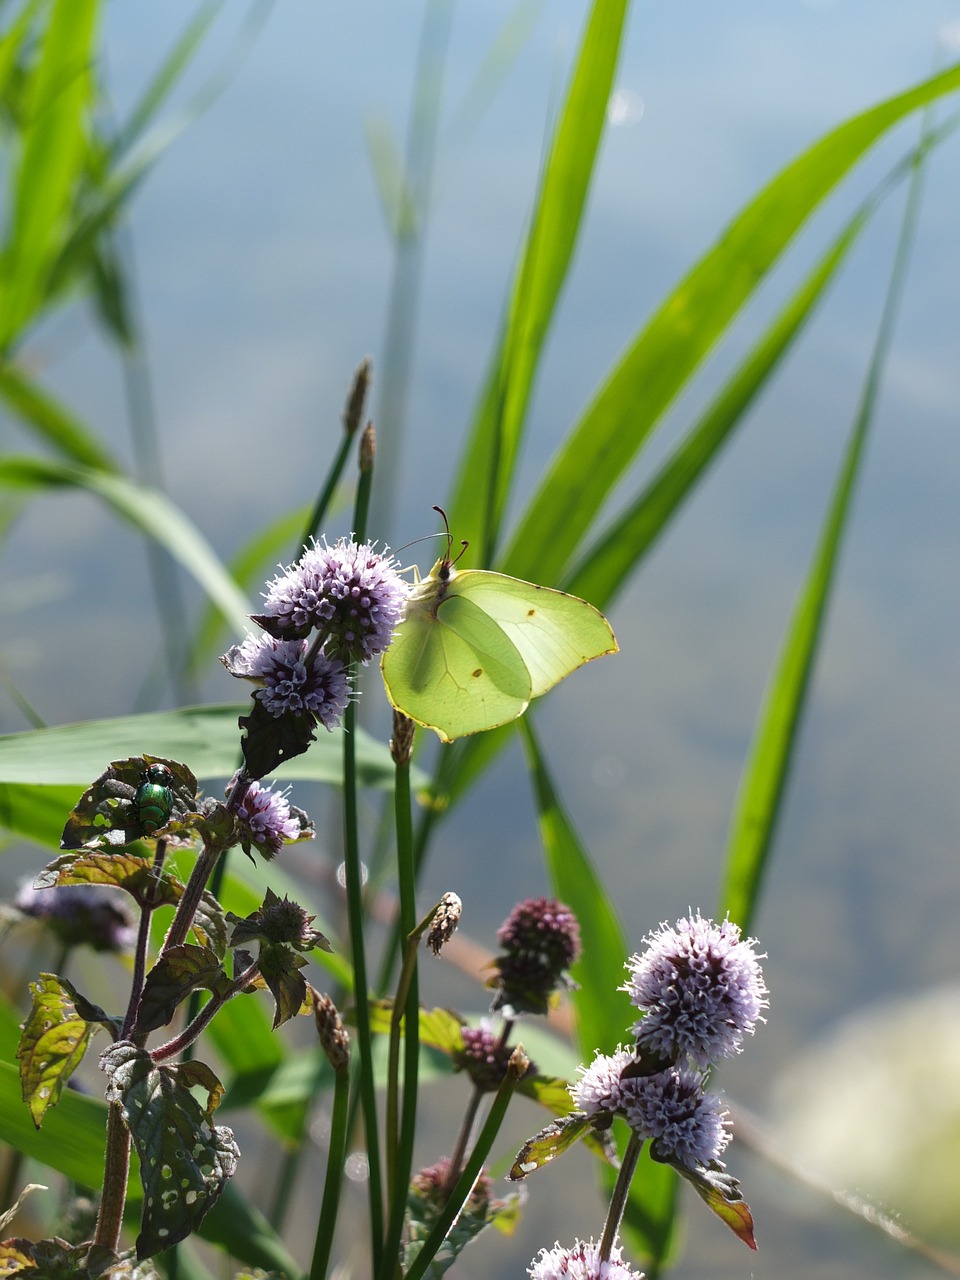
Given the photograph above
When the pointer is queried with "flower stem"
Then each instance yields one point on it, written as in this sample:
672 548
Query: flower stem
190 900
618 1201
193 1030
519 1063
331 1187
116 1170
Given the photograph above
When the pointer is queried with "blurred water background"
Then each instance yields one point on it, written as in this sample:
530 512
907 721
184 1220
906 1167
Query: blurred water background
264 268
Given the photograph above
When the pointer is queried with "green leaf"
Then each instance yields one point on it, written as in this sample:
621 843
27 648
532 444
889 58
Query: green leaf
36 813
206 736
149 511
489 460
180 970
52 421
52 1046
721 1193
72 1137
604 568
603 1011
136 876
280 969
765 776
185 1159
552 1141
58 94
671 346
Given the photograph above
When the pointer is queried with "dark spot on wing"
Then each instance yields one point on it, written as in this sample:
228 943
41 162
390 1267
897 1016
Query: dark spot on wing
531 612
476 674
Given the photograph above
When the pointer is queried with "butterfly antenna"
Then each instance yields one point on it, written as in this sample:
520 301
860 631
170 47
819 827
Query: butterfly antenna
446 524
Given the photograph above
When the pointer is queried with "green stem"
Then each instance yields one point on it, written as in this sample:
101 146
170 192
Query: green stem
618 1201
352 416
339 1127
451 1210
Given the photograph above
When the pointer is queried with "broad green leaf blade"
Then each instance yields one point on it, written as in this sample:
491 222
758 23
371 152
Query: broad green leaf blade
672 344
207 737
51 163
765 775
603 570
489 461
185 1159
149 511
52 1046
72 1137
53 422
604 1012
36 813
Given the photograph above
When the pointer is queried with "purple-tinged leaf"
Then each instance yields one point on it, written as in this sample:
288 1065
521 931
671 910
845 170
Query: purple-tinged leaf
52 1045
721 1192
136 876
107 815
179 971
280 969
268 740
185 1159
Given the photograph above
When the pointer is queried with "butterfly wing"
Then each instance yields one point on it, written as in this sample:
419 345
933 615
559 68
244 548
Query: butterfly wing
451 668
554 633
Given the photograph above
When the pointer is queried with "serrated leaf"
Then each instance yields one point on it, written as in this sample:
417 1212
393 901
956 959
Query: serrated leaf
179 971
185 1161
56 1259
210 924
136 876
721 1192
91 1012
280 969
51 1047
552 1141
106 815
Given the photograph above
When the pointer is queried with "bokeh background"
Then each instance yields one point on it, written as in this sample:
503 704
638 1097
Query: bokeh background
264 266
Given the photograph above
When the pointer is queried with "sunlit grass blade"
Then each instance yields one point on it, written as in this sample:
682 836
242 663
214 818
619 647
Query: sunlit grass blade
51 421
604 568
149 511
11 48
206 738
670 347
604 1012
765 776
51 161
490 457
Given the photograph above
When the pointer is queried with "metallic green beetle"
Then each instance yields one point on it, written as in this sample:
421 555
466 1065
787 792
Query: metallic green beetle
153 802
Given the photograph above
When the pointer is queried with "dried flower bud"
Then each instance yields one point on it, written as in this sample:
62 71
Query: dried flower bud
368 448
333 1035
444 923
401 744
353 409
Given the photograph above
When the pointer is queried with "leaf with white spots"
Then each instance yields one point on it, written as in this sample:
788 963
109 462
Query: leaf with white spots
185 1159
549 1143
52 1044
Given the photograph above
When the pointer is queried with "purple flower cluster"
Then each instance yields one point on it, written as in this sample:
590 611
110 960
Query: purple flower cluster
338 604
484 1058
700 990
81 915
582 1262
266 821
540 939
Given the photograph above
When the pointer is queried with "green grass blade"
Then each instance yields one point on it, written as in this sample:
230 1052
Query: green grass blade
205 738
766 772
604 1013
51 421
673 343
149 511
51 163
606 566
489 462
71 1140
168 74
11 45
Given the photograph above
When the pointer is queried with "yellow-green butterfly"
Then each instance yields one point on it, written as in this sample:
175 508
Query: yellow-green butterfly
475 646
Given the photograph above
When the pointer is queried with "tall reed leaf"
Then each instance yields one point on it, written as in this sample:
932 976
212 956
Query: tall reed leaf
605 568
490 457
673 343
51 162
51 421
765 776
603 1011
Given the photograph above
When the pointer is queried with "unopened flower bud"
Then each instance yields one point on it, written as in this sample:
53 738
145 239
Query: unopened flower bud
444 923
